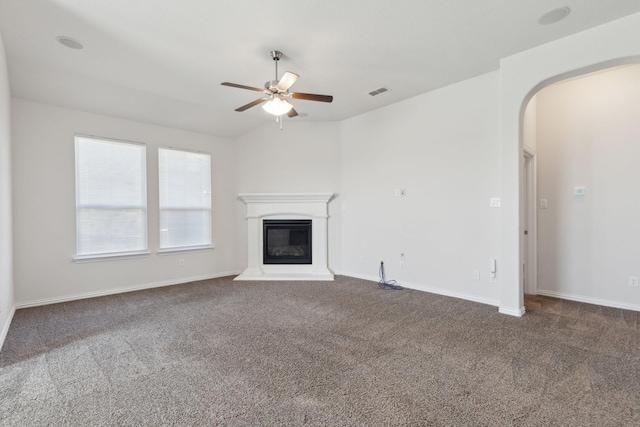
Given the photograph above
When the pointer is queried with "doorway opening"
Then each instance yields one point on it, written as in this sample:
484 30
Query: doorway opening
584 143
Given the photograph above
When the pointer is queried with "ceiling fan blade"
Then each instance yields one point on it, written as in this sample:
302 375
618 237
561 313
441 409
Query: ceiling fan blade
292 113
252 104
242 86
312 97
287 80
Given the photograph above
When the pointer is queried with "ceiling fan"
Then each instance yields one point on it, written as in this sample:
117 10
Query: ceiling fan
277 92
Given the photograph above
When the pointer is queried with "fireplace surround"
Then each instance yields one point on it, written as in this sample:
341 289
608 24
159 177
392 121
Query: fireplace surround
283 208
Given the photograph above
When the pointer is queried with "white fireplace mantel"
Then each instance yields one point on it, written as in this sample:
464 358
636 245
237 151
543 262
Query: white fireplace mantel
311 206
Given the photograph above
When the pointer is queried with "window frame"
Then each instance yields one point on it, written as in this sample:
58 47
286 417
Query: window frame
104 256
190 248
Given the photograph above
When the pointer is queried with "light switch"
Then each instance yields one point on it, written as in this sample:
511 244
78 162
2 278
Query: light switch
543 203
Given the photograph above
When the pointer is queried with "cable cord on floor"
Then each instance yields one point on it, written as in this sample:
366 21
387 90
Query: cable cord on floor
387 284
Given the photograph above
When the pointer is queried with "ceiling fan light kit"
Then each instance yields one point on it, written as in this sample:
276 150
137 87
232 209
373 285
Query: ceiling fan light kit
277 106
277 91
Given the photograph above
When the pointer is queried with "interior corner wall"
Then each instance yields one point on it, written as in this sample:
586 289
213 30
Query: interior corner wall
44 207
589 136
6 250
442 149
302 158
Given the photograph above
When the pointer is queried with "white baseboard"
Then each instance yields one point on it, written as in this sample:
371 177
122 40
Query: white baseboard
431 289
518 312
85 295
5 327
590 300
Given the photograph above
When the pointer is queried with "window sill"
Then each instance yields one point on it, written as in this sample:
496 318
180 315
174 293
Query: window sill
169 251
110 257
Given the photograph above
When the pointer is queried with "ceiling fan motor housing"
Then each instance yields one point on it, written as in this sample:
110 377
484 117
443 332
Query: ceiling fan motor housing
272 86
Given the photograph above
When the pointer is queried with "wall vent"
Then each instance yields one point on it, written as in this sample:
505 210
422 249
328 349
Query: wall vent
378 91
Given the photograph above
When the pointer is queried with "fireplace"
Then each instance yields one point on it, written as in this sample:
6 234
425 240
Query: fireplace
286 241
294 226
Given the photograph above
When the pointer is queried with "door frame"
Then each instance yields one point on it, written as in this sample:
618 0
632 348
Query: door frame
529 222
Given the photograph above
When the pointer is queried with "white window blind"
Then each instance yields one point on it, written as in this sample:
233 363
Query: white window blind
185 199
111 200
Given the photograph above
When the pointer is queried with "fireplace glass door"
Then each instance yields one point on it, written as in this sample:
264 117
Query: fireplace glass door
286 241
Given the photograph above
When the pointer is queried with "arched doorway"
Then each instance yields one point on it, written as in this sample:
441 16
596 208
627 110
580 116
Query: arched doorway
585 139
522 76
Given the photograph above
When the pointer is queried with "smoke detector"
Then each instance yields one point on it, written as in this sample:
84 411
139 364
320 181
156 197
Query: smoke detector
69 42
556 15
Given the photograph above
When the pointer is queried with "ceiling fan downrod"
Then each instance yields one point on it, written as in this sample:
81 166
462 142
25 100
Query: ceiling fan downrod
276 54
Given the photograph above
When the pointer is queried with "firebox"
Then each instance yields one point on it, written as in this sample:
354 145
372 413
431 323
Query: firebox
286 241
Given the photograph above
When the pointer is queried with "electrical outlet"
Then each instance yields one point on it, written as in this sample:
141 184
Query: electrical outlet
181 262
633 281
494 202
476 274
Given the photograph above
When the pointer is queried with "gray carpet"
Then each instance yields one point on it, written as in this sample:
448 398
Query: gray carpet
340 353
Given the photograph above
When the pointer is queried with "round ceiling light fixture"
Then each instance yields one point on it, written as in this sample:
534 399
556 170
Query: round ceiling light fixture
69 42
556 15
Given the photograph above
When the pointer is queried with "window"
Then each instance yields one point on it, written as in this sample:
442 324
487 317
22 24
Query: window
185 199
111 207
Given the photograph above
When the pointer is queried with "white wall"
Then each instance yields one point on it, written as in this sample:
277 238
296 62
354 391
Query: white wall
6 263
443 148
303 157
589 135
44 207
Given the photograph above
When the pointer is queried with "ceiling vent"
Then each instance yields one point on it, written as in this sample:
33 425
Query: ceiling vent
378 91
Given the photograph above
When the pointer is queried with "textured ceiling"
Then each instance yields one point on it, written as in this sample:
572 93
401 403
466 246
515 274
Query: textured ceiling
162 61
